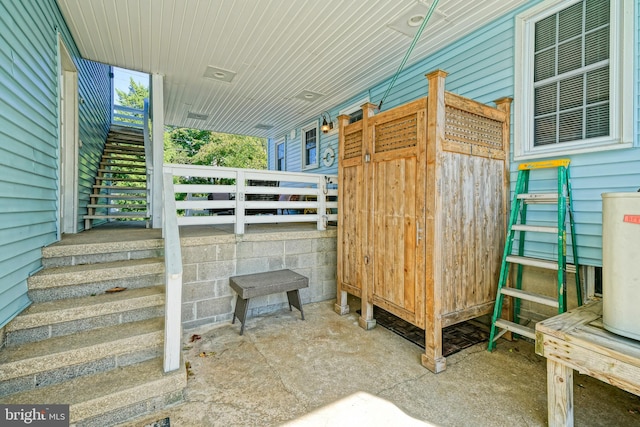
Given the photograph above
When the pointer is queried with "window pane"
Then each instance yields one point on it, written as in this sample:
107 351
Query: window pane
598 85
572 92
544 131
545 65
570 127
570 56
596 46
597 121
546 99
570 22
311 156
597 14
545 33
356 116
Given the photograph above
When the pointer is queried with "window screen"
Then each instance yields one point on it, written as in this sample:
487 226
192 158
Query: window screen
571 74
310 137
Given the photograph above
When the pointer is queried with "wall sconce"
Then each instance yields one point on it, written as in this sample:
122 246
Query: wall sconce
326 126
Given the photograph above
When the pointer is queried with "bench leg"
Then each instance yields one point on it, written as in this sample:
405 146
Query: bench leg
294 300
241 312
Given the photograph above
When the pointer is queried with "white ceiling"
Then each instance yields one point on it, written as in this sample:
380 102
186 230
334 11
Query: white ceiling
277 49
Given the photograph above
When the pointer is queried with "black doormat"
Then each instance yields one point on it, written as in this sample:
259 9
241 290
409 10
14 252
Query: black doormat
454 338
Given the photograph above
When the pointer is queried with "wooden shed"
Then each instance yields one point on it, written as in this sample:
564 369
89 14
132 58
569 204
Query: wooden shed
423 192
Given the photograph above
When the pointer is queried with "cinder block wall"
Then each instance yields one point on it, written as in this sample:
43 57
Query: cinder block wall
208 262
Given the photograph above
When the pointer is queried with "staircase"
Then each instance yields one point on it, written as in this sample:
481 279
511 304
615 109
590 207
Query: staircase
100 352
120 190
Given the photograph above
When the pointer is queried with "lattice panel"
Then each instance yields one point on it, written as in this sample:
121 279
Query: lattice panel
468 128
396 134
353 145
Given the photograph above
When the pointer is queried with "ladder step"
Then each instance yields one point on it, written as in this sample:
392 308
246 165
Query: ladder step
535 228
541 198
516 328
530 296
533 262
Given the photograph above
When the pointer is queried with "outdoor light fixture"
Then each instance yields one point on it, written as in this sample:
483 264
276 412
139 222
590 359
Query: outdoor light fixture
326 127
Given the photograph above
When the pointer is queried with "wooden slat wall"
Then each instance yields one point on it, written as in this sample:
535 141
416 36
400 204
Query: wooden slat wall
470 224
29 139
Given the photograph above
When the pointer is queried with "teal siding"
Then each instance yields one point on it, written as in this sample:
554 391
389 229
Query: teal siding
29 141
481 67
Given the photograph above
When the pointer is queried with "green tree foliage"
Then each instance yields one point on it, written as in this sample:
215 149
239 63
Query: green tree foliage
134 98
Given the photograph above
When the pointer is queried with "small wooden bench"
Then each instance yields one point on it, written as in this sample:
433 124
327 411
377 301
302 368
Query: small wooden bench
259 284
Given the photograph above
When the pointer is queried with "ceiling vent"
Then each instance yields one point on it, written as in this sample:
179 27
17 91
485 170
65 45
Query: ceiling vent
219 74
263 126
197 116
410 20
307 95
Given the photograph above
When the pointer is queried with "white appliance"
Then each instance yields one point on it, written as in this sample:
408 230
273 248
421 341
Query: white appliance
621 263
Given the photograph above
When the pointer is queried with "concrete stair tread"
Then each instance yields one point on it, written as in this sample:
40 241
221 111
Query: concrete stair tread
104 392
85 346
85 273
86 244
65 310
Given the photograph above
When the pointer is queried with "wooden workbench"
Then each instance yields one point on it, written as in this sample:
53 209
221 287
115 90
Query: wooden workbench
577 340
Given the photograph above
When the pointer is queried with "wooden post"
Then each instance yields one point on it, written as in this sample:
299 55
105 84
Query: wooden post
504 105
432 358
366 320
559 394
341 307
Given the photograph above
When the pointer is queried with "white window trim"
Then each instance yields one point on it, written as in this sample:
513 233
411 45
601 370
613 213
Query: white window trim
353 107
275 153
621 83
303 143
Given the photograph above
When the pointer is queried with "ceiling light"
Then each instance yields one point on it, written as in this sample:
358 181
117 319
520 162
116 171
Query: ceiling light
219 74
263 126
415 20
307 95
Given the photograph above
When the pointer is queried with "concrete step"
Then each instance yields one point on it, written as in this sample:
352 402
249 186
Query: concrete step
60 359
93 279
112 397
67 316
83 249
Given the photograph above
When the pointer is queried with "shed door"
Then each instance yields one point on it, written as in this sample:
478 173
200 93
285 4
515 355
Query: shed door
397 244
351 201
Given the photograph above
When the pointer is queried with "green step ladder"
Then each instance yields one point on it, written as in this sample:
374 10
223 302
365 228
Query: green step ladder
517 223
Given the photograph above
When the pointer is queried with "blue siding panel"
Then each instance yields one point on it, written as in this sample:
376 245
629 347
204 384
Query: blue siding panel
481 66
29 139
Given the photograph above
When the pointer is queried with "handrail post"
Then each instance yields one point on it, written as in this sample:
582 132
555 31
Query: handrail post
148 155
240 198
173 278
322 203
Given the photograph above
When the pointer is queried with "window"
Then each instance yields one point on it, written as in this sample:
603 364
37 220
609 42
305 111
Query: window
280 165
571 76
310 146
354 111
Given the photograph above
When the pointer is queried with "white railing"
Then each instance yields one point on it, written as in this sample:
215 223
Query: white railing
173 279
127 116
315 193
249 196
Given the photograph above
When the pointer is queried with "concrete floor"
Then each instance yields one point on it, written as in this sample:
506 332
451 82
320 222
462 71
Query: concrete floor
283 368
